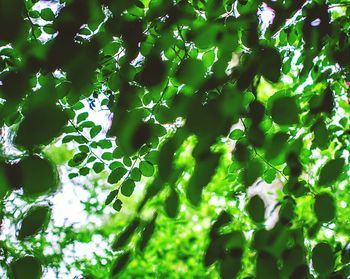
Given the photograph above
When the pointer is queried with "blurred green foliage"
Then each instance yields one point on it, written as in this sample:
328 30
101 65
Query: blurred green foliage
174 139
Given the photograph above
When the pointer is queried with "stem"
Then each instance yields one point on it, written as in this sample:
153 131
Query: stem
87 141
31 23
183 40
262 158
84 137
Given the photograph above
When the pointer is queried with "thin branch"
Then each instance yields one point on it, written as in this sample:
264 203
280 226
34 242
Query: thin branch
87 141
31 23
84 137
269 164
262 158
183 40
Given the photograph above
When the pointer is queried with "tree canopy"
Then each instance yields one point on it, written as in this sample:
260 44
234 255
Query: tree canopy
197 138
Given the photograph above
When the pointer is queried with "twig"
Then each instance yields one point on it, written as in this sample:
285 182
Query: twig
269 164
261 157
183 40
87 141
31 23
84 137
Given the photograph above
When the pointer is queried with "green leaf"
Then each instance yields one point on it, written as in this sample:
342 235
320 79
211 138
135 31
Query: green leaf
147 168
116 164
105 144
47 14
324 207
40 126
68 138
84 149
128 187
117 205
165 163
284 111
49 29
108 156
78 106
276 145
34 14
266 266
208 58
73 175
191 72
230 266
77 159
34 221
153 72
236 134
95 131
135 174
91 159
252 171
117 153
98 167
270 64
172 204
147 233
35 185
320 135
84 171
202 174
87 124
124 237
323 258
331 171
27 267
116 175
256 209
82 116
111 196
120 264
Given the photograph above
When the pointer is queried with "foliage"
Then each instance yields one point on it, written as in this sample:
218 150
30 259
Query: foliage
217 121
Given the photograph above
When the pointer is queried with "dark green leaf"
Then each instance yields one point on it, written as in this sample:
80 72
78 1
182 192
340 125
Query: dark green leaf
172 204
236 134
116 175
84 171
256 209
40 126
147 233
33 184
331 171
111 196
324 207
323 258
146 168
95 131
98 167
284 111
128 187
27 267
47 14
120 264
82 116
34 221
135 174
117 205
105 144
108 156
123 238
191 72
